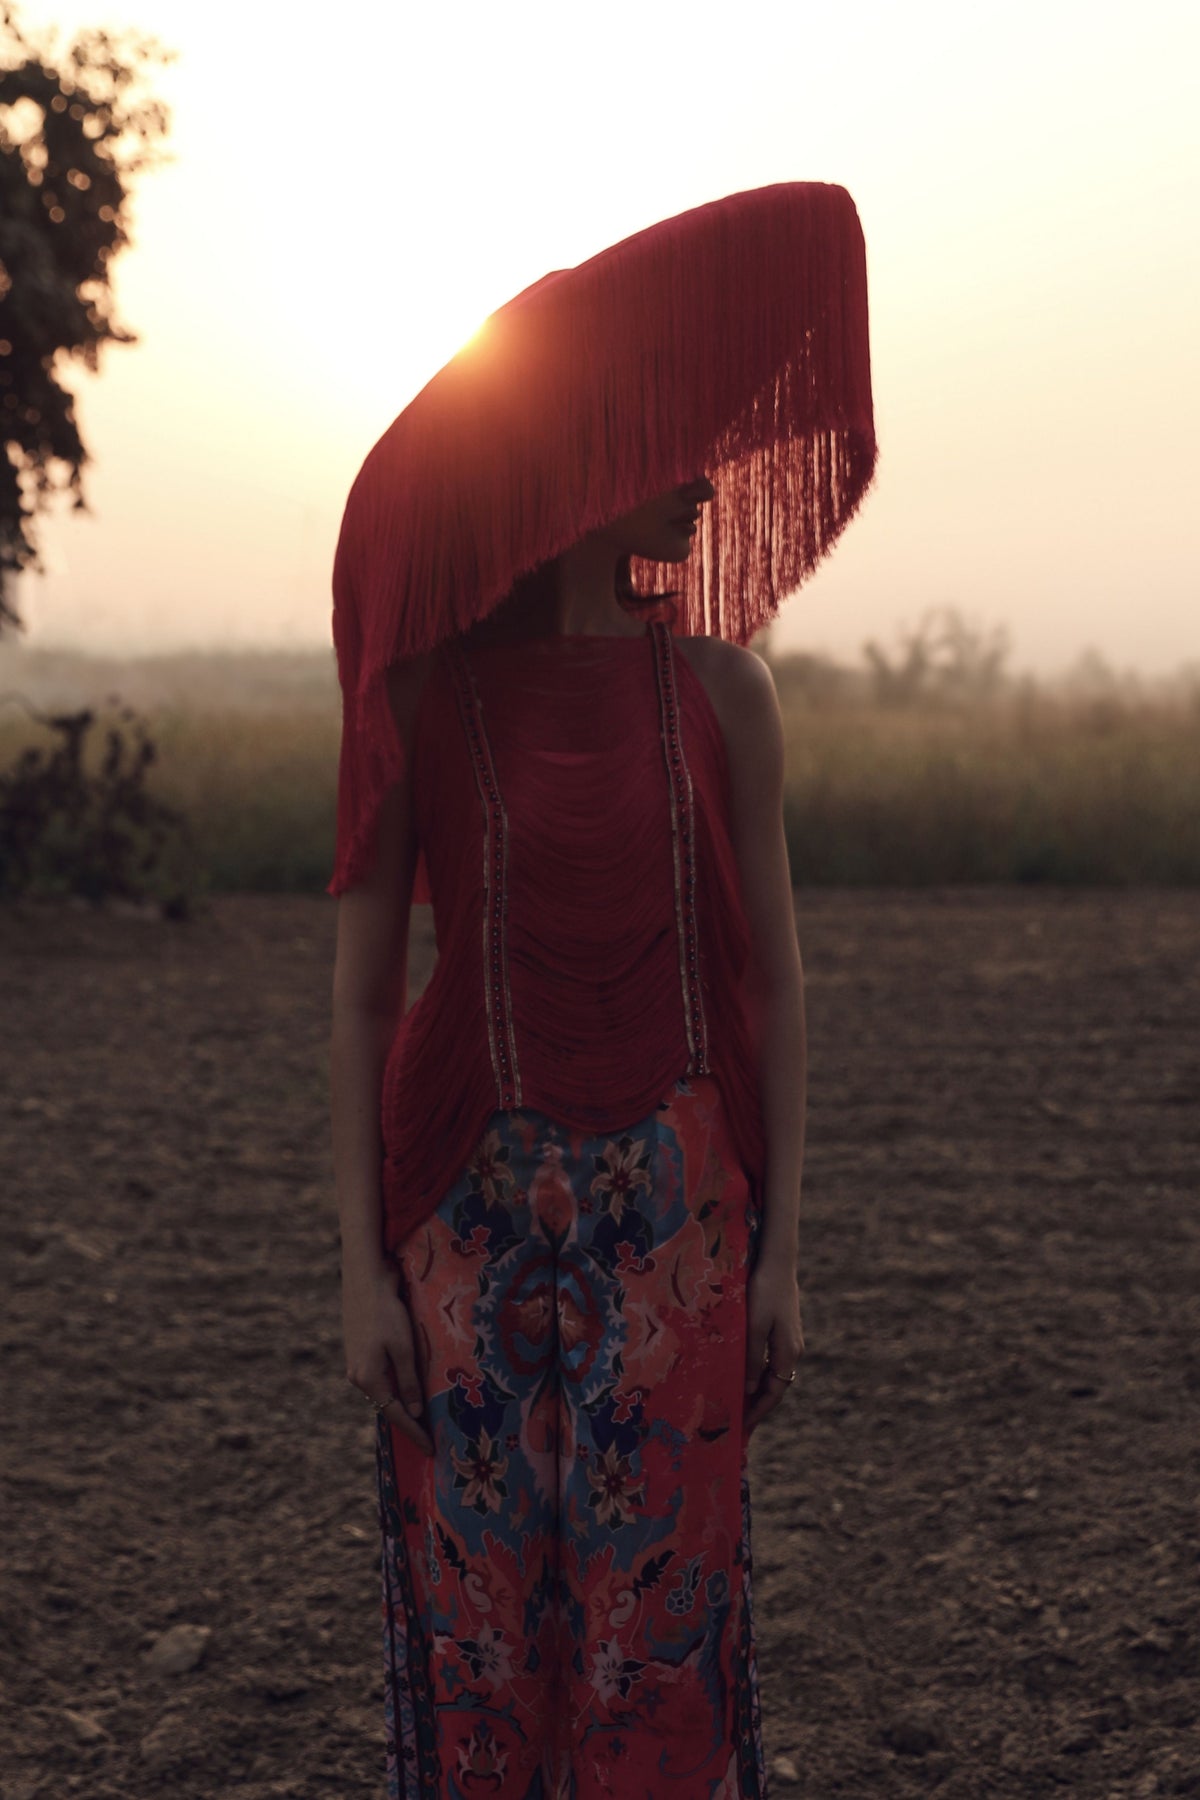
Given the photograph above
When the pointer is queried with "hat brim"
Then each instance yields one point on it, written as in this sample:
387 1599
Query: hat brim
729 341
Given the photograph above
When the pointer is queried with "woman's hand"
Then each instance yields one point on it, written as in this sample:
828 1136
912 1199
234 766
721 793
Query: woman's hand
773 1329
380 1358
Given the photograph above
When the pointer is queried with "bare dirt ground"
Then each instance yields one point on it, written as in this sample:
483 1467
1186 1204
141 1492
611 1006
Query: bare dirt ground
975 1530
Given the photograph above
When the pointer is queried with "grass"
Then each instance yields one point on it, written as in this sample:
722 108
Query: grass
1031 789
1026 785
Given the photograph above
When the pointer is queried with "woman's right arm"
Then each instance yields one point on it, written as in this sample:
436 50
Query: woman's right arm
370 981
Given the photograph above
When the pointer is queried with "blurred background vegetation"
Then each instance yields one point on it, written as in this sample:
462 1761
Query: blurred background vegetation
928 762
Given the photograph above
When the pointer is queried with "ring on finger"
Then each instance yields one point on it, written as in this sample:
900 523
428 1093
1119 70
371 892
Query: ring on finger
379 1405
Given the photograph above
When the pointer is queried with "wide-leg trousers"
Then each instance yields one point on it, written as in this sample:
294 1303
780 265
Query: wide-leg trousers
567 1581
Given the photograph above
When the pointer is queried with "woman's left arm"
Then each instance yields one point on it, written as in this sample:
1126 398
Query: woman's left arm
749 713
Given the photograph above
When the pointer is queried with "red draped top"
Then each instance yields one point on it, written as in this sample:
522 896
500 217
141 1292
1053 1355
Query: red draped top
571 797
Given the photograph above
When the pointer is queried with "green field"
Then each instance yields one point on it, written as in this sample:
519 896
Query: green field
1017 784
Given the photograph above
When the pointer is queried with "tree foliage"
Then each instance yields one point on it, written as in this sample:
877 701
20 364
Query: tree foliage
75 127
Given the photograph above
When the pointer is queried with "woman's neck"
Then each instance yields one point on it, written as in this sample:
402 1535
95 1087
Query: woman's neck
573 596
582 599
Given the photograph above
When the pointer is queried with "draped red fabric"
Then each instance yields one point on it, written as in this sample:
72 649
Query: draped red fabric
591 982
730 340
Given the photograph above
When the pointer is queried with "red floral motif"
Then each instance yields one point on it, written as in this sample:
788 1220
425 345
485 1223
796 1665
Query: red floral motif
476 1244
582 1318
629 1262
479 1473
550 1193
470 1383
525 1322
488 1655
491 1171
615 1488
480 1758
614 1674
624 1167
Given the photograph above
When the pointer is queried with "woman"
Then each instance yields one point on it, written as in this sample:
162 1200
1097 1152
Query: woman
568 1176
689 1742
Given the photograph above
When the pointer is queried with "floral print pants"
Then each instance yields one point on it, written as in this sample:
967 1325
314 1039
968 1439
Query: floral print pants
567 1581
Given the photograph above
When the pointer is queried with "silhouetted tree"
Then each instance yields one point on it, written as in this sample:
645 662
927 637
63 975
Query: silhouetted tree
945 657
74 129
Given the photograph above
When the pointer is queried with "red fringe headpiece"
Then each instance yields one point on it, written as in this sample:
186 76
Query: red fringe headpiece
729 341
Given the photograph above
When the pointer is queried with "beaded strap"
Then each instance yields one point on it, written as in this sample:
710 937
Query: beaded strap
495 884
683 840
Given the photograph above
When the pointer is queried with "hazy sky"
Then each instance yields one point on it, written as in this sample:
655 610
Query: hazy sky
356 187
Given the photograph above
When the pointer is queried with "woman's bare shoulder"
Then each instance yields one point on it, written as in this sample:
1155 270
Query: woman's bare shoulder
737 680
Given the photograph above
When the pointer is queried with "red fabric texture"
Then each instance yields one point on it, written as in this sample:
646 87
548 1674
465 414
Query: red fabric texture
599 1027
580 1320
730 341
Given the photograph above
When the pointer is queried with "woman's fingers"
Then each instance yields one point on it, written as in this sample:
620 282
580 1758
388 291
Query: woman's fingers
406 1384
397 1414
767 1397
763 1403
383 1366
785 1343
